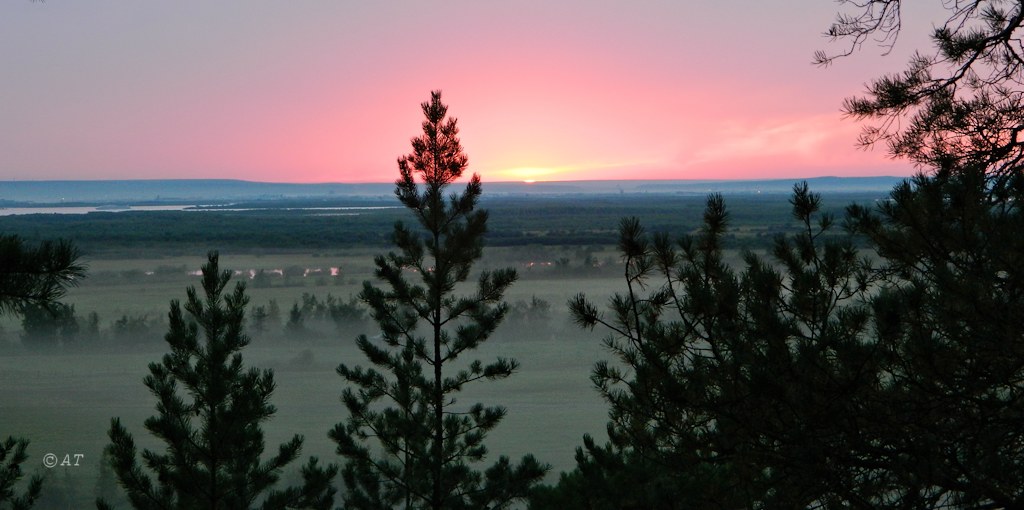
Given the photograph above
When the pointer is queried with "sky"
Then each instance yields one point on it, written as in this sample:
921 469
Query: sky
329 91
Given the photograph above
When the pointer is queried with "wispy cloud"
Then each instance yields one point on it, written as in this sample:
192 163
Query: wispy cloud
797 138
816 144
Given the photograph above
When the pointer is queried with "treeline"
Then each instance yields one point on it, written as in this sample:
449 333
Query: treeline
515 221
330 319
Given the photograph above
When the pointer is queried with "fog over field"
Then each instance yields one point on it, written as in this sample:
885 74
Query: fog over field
63 385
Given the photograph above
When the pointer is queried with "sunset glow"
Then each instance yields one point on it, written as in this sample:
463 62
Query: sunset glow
526 174
330 91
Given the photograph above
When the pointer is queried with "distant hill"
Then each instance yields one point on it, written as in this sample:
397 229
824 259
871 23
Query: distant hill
203 191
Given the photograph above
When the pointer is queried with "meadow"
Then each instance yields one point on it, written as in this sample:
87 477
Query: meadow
63 398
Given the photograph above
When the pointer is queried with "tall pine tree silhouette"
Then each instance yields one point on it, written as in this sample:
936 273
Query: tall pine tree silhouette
213 457
426 443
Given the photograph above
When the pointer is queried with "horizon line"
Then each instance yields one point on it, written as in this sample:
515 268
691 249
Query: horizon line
529 182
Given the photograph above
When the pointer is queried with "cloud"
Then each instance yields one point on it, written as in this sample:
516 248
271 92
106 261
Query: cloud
741 139
749 147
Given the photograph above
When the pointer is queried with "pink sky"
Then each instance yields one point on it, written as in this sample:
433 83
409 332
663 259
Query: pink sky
329 91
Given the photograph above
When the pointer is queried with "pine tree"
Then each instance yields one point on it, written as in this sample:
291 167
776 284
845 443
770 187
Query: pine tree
427 443
951 310
30 278
36 276
731 389
210 411
12 456
957 104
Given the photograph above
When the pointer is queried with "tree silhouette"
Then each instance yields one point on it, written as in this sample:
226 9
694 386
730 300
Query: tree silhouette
12 456
36 276
30 278
728 387
949 303
212 432
950 308
427 443
49 326
818 379
960 104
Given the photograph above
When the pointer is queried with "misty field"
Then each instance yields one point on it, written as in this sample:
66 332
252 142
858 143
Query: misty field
63 401
62 398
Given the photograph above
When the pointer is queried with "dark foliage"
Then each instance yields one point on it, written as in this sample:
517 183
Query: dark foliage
951 301
730 382
535 313
959 104
426 444
12 456
36 276
211 425
31 282
818 380
49 326
135 329
296 324
951 308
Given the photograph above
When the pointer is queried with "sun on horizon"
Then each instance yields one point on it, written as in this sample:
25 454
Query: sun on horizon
527 174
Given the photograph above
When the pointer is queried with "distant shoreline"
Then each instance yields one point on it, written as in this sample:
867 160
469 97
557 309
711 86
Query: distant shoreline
91 193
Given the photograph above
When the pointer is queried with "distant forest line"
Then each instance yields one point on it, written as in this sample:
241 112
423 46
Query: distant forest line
207 191
583 220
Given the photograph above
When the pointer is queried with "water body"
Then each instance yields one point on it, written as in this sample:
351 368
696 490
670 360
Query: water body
312 209
13 211
323 211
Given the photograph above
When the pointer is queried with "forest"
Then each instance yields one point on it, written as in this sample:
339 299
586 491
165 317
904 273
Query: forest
799 351
303 225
